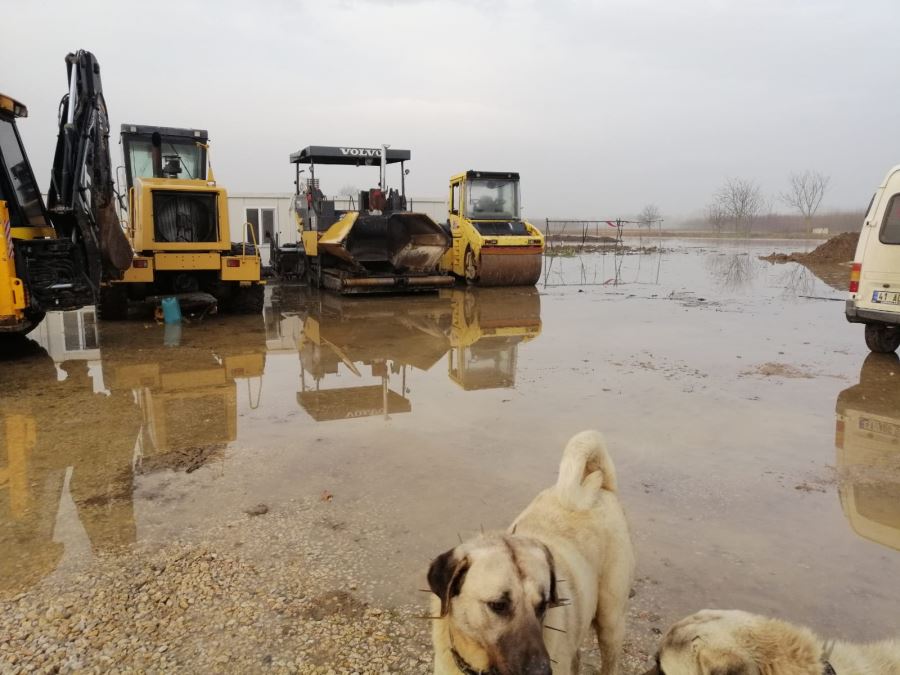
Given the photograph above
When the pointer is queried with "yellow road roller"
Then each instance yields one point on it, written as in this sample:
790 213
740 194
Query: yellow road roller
492 244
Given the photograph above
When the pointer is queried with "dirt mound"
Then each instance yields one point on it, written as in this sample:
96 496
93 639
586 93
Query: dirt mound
839 249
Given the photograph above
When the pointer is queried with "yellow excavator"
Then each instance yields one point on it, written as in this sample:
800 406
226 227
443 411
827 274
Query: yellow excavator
56 256
492 244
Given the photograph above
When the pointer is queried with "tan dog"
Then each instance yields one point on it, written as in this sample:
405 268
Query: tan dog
731 642
514 603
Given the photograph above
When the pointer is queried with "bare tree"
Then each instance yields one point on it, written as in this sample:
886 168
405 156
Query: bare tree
650 216
348 191
805 192
716 216
741 200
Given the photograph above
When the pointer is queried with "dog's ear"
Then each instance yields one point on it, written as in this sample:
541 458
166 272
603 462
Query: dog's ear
446 576
554 593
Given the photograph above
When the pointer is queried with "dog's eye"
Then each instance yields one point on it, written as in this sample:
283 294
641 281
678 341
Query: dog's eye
499 606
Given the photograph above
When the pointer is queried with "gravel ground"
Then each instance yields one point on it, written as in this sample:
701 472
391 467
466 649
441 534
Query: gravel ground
262 593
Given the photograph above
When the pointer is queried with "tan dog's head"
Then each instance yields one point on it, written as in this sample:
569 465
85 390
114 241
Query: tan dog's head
494 591
731 642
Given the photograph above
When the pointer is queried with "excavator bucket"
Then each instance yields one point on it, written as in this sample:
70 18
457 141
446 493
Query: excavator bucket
509 268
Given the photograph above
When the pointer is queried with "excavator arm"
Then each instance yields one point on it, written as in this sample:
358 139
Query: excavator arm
81 198
65 271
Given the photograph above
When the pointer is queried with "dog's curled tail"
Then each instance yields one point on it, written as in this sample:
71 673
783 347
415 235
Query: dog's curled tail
585 469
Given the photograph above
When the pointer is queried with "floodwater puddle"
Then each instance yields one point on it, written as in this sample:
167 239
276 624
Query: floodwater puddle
408 420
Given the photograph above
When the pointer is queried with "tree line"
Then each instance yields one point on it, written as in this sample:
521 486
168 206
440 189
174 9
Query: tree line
739 203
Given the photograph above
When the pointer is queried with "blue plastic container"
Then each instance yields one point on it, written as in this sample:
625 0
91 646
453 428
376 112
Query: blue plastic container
171 310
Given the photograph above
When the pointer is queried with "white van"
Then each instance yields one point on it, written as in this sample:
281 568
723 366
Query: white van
875 275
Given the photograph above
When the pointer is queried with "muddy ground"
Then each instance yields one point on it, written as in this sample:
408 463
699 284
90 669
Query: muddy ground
266 493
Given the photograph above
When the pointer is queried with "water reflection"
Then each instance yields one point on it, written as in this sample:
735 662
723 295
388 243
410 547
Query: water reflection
867 437
734 271
49 411
376 342
187 395
92 411
78 424
604 267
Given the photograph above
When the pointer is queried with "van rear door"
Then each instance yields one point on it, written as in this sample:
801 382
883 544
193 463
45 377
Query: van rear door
879 285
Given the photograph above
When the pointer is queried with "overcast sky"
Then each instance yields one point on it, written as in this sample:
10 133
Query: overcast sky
602 107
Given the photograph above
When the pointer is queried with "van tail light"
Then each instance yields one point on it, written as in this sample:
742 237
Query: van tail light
839 435
855 273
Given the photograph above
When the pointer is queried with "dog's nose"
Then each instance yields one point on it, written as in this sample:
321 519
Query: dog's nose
539 667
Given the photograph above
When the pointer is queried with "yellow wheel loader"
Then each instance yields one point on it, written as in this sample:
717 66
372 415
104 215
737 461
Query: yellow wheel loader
177 222
492 245
56 257
375 245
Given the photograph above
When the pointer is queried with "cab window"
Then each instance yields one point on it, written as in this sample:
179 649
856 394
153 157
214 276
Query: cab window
454 199
890 228
18 181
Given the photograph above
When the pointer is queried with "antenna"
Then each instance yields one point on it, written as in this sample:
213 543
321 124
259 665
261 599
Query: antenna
384 149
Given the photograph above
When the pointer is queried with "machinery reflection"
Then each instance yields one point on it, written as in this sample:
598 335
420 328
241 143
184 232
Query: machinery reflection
79 423
867 437
488 326
377 342
186 387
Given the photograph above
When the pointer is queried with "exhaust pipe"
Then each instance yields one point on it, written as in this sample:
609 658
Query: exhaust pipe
156 154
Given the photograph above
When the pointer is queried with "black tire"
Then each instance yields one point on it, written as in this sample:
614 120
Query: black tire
113 305
882 339
248 300
34 318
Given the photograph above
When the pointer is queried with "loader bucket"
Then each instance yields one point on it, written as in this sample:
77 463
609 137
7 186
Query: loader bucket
408 242
509 268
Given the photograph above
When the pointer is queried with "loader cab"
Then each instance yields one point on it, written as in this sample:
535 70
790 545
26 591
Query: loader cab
18 187
173 202
163 152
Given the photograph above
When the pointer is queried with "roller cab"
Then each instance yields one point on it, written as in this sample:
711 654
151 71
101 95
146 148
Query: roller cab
491 244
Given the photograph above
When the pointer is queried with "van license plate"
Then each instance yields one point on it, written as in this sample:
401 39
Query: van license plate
886 297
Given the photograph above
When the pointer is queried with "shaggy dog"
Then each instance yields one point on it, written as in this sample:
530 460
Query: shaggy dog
731 642
522 602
